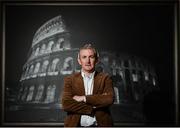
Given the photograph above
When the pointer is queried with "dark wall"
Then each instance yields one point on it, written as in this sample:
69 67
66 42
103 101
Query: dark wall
144 30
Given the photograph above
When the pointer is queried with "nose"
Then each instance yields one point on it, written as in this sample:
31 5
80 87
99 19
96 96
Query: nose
88 60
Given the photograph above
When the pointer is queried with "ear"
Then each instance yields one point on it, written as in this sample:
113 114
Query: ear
79 61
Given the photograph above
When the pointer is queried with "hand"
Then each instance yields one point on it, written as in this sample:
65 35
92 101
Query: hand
105 93
79 98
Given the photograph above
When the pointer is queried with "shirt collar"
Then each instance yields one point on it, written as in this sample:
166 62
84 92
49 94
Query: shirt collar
91 75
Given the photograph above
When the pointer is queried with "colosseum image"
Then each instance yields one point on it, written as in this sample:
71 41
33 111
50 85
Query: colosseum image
51 58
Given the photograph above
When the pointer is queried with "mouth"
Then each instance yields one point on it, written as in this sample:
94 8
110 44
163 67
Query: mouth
87 65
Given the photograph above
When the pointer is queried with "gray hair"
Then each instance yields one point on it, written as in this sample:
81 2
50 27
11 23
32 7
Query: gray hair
89 46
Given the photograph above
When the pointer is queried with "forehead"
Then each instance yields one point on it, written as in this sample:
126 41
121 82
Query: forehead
87 52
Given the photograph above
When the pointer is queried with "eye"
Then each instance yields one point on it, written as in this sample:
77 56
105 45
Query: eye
92 57
83 57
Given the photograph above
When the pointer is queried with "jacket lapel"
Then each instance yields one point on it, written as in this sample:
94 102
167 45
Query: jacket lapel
97 81
80 84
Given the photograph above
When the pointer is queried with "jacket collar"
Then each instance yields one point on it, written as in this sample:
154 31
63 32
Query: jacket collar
90 75
97 81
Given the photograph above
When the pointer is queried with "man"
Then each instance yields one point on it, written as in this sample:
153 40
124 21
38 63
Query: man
87 95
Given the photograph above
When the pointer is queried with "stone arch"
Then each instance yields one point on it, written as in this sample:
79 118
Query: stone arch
61 42
37 51
49 47
25 92
43 48
54 64
33 53
50 94
37 67
113 67
39 93
134 76
59 45
116 98
67 66
44 68
31 70
53 68
30 93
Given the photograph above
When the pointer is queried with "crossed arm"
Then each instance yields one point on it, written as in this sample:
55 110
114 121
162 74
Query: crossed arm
86 104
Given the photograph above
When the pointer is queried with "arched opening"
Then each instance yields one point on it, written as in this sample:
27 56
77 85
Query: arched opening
53 70
50 94
39 93
67 66
43 48
37 51
30 94
49 47
116 98
36 69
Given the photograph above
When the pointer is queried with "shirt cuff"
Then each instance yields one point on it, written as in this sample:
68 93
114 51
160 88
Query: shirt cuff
84 99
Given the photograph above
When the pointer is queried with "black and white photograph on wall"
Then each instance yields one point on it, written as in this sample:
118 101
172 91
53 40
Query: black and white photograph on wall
136 47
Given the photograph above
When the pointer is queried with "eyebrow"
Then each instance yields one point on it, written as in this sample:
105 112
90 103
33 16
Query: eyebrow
89 56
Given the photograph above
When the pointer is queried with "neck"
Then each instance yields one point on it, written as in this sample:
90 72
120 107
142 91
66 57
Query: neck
88 72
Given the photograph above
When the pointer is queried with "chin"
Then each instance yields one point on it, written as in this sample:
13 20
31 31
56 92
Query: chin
89 69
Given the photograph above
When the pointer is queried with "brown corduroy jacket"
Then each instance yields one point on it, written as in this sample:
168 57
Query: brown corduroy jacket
96 105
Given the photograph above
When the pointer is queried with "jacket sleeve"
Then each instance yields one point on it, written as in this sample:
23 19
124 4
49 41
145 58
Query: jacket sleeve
71 105
106 98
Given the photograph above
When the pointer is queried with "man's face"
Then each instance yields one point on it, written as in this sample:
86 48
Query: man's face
87 60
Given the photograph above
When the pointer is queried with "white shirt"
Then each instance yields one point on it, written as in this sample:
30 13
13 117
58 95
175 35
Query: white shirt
88 86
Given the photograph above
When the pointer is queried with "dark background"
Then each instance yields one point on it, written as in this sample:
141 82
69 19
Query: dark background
144 30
